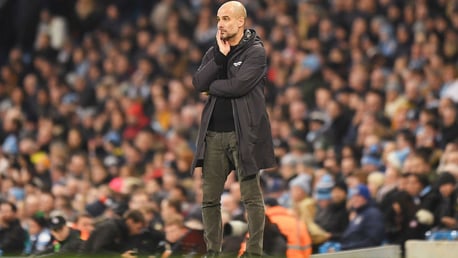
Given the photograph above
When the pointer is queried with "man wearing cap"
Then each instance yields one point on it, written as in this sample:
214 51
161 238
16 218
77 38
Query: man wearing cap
67 240
366 227
305 207
334 216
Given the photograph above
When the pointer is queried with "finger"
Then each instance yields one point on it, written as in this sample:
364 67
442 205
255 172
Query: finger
218 35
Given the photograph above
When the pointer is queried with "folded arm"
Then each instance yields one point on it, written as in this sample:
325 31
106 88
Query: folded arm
251 71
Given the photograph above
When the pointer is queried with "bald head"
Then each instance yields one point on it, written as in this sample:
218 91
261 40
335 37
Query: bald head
236 8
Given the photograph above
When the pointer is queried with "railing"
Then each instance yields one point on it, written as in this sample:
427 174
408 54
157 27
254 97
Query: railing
386 251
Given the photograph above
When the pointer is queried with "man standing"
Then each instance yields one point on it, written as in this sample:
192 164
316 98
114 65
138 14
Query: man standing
235 131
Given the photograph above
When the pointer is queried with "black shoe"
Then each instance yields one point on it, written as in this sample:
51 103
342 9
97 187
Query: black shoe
211 254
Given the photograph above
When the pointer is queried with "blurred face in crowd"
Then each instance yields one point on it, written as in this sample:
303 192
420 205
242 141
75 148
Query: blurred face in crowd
6 213
85 223
449 116
173 232
412 186
138 201
98 174
61 234
297 111
287 170
32 204
348 165
135 228
333 109
77 165
33 226
144 141
357 201
446 189
416 164
322 97
46 202
338 195
297 193
74 139
452 158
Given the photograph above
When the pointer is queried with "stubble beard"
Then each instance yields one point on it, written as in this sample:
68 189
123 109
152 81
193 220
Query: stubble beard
229 36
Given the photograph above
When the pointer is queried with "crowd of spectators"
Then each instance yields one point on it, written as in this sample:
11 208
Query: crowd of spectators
98 112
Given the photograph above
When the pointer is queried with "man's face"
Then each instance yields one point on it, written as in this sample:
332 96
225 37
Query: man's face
357 201
413 186
173 233
6 213
228 22
60 234
135 228
86 224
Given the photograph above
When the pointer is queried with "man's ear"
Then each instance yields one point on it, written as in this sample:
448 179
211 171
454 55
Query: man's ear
241 22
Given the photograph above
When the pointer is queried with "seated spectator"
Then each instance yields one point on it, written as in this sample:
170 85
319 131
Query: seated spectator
150 241
365 229
67 240
412 209
296 233
182 240
445 214
334 217
112 235
12 235
85 224
40 237
305 207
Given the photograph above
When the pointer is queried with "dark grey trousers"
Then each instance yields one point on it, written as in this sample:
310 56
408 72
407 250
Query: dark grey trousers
221 151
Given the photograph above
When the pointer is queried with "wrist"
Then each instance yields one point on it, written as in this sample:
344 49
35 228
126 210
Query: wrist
220 58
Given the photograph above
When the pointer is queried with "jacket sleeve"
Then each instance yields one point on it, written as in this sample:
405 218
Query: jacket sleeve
13 241
307 215
206 73
100 241
250 72
75 246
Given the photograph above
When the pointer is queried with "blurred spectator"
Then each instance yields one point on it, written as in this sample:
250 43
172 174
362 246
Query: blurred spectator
296 234
183 240
334 216
67 240
85 224
112 235
150 241
445 215
304 207
12 235
364 229
412 209
39 235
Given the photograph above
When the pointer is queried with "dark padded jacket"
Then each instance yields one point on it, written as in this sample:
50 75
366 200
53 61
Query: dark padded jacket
246 68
